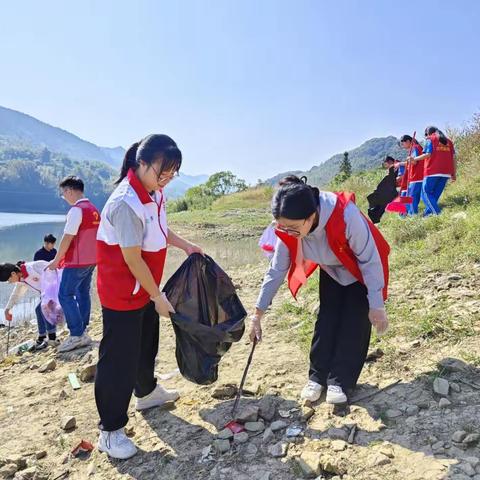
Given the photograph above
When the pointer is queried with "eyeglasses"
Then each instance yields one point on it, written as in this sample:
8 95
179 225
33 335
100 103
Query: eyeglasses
289 231
161 178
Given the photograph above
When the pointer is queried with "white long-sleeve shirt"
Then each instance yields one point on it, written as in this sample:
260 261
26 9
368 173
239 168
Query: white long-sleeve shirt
32 281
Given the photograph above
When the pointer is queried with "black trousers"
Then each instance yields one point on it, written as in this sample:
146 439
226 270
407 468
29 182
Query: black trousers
342 334
126 362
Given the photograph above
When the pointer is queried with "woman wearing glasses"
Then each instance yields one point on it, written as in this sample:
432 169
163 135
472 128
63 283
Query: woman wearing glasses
328 230
132 244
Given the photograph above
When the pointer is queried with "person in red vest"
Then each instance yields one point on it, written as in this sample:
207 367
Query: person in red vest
132 245
328 230
77 255
439 165
414 172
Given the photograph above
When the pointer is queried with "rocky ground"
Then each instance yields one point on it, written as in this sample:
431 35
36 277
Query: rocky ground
415 415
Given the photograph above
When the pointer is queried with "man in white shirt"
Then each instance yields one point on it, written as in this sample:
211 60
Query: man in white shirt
77 255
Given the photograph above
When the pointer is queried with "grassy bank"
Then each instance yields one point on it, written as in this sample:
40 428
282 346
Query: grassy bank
435 263
243 214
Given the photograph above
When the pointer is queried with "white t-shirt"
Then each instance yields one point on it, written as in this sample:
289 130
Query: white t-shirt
74 219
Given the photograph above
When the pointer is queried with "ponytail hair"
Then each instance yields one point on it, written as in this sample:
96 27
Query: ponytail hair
6 270
149 150
295 199
441 136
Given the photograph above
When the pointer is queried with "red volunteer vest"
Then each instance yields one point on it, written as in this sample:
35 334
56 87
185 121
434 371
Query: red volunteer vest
415 172
337 240
117 288
82 250
441 159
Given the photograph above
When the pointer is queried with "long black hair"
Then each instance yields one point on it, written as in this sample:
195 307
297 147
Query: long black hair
149 150
6 270
408 138
295 199
441 136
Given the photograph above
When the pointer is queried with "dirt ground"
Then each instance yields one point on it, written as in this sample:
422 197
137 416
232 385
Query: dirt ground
406 431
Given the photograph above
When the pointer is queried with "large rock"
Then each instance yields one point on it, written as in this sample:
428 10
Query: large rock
379 460
309 463
337 434
267 408
241 437
8 470
27 474
278 425
393 413
225 392
88 372
221 446
18 460
278 450
333 464
48 367
441 386
254 426
268 435
225 434
452 365
68 423
248 414
444 403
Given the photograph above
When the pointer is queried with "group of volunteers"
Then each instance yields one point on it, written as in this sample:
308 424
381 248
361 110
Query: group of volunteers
128 244
425 172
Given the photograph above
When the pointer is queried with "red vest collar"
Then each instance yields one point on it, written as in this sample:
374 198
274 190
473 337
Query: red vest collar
140 190
23 270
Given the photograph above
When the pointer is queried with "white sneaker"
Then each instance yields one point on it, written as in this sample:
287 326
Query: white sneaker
157 398
312 391
71 343
116 444
335 394
86 340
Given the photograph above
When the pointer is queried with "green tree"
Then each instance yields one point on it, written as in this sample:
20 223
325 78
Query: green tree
346 166
224 183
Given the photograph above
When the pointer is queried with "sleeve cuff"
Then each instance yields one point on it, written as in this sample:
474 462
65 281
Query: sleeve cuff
375 299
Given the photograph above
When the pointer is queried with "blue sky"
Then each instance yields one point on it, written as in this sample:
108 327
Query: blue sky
253 86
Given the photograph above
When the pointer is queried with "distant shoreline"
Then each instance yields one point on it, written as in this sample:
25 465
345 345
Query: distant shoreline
11 219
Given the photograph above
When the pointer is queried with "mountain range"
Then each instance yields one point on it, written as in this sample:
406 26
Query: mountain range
28 143
365 157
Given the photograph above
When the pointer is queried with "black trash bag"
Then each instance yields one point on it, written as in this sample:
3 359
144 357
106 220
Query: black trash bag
209 317
385 192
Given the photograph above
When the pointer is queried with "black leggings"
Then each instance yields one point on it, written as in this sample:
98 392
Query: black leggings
342 334
126 362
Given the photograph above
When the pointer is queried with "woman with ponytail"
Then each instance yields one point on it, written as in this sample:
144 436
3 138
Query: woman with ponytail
327 229
132 244
439 165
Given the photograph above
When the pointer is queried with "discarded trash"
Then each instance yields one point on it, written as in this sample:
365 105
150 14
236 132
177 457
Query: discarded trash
50 305
235 427
209 317
21 348
72 378
82 448
267 241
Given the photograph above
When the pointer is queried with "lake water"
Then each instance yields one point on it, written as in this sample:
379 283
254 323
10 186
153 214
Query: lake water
22 234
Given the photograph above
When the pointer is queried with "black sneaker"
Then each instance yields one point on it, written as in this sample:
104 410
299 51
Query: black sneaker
39 345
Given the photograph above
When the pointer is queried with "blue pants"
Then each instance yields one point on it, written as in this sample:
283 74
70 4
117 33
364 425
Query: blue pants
414 191
432 189
43 326
74 297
